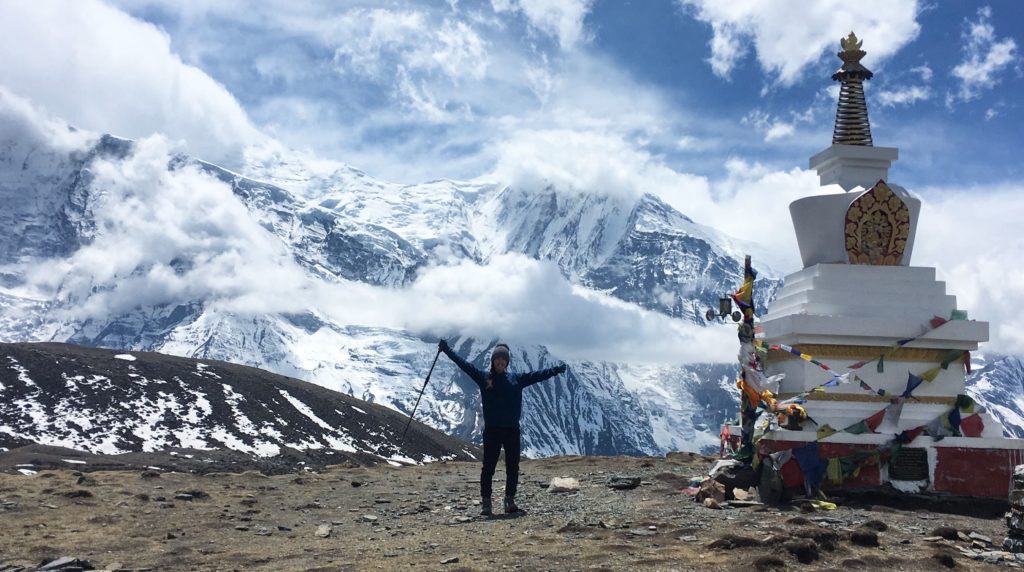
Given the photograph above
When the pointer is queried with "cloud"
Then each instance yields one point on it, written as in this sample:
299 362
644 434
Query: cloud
377 42
967 234
784 50
905 96
523 300
772 127
561 19
104 71
24 125
985 57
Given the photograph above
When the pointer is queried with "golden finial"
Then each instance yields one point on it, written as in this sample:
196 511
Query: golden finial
851 43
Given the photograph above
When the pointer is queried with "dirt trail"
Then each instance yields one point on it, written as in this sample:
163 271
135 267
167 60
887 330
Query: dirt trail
425 517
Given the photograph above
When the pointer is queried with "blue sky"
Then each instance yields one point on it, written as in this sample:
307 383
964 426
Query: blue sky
713 106
439 76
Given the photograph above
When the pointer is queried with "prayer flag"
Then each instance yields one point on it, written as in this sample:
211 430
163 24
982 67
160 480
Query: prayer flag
931 374
972 426
825 431
912 382
936 322
858 428
875 420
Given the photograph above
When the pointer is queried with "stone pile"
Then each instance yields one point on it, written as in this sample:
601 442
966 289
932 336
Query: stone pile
1014 541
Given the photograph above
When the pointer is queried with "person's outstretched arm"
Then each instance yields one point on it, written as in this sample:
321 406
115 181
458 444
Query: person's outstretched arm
528 379
474 373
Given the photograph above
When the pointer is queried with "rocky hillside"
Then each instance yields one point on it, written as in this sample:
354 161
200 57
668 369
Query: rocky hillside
112 402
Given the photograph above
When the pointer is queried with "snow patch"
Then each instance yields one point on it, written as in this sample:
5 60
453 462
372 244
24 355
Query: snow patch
125 357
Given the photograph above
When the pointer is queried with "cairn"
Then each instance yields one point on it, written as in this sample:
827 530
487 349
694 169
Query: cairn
1014 541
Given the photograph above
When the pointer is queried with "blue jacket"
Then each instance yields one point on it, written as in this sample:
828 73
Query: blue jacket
503 402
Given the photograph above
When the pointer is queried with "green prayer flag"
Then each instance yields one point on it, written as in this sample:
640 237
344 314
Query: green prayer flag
858 428
881 364
958 315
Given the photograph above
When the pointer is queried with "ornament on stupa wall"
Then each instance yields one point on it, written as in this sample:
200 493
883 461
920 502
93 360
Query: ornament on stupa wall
877 227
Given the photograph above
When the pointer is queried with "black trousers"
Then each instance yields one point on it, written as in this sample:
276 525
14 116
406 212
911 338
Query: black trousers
494 439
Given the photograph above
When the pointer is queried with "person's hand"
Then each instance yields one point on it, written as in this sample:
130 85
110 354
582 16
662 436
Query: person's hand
561 368
443 346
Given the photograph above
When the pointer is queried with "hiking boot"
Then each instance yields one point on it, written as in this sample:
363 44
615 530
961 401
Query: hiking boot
510 505
485 507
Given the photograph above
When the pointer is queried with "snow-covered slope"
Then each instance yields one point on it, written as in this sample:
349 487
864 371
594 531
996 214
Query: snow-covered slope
103 401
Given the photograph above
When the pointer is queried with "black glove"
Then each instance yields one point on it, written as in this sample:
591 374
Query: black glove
443 346
561 368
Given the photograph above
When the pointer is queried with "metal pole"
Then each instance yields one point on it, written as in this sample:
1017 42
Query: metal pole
425 382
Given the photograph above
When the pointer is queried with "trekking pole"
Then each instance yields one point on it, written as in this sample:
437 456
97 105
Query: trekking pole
425 382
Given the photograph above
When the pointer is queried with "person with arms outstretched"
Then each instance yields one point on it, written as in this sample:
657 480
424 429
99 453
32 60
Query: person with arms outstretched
501 392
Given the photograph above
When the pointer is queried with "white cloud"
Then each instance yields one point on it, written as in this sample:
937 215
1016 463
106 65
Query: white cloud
104 71
561 19
784 50
985 57
528 301
772 127
25 125
925 72
968 235
905 96
377 42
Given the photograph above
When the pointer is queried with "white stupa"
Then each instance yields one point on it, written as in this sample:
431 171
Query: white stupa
858 296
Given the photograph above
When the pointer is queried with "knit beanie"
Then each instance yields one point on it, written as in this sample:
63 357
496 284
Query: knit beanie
501 350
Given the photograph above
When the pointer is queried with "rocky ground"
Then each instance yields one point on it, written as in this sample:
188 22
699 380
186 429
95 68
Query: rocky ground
351 517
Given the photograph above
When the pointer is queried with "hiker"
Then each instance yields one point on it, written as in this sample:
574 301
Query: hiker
502 395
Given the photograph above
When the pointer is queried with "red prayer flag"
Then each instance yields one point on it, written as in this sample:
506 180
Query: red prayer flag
972 426
936 322
875 420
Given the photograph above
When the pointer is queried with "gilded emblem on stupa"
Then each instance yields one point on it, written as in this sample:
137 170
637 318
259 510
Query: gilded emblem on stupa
877 227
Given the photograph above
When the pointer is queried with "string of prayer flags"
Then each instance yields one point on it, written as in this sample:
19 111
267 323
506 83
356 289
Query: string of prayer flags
935 322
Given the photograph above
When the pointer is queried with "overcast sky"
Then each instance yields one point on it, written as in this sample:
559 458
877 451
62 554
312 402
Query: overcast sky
714 106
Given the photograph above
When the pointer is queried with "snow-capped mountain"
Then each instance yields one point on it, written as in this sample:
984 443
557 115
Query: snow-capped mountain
998 382
66 195
120 244
102 401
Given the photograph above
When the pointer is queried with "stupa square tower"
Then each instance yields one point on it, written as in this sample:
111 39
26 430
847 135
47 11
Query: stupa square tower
875 350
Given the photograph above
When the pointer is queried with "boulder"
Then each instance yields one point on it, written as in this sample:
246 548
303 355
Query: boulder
563 485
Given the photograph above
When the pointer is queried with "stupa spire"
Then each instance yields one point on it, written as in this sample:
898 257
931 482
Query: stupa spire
852 124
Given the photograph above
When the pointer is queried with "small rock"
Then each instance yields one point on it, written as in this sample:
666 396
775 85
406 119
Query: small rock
452 560
263 531
623 483
712 503
981 537
563 485
688 538
641 532
150 474
241 527
370 518
183 497
932 538
77 494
